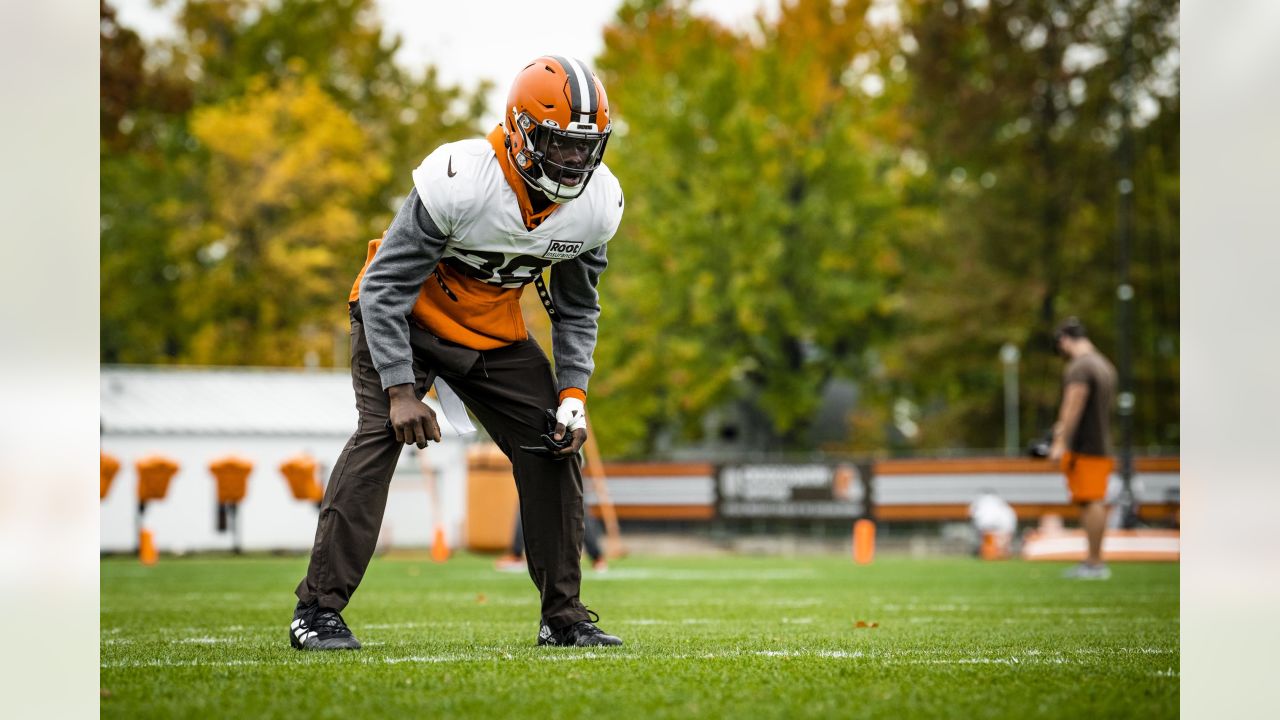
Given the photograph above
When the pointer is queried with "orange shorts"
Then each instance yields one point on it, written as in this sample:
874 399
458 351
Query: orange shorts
1087 476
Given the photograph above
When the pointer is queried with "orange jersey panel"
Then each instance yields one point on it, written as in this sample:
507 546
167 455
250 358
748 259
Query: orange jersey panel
483 317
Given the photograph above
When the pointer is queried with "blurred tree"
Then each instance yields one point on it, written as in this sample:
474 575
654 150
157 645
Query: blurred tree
163 211
758 256
265 248
141 119
229 44
1021 107
877 192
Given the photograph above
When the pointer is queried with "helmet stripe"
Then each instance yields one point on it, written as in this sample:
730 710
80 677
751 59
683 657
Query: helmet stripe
575 90
588 89
582 89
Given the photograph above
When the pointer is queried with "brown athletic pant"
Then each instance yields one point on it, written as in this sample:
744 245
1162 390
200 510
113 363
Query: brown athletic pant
508 389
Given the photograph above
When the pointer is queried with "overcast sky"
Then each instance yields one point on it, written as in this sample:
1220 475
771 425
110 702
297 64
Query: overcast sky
468 40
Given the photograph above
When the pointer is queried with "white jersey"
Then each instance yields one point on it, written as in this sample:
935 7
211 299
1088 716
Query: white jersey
467 195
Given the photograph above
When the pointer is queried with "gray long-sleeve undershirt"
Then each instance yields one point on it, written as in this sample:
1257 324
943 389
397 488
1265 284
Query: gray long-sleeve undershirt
409 252
573 338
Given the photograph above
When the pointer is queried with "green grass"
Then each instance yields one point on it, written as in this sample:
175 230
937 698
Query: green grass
741 637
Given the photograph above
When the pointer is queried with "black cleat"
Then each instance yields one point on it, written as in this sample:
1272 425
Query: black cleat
317 628
580 634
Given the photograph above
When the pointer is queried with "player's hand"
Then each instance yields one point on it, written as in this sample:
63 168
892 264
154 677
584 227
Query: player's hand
411 420
571 418
1056 450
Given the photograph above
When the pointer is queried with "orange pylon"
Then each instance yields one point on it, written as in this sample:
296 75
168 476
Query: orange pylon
995 546
147 552
864 541
439 548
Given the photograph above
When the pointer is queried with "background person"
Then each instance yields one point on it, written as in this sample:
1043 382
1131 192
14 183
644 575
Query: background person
992 515
513 560
1082 437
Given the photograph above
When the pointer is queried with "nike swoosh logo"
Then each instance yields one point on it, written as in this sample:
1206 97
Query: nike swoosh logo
619 202
452 173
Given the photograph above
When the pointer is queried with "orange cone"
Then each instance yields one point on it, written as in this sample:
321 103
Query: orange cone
994 546
439 548
864 541
147 552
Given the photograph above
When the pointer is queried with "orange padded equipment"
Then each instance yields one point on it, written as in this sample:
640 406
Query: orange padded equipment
491 499
154 474
231 473
300 472
107 472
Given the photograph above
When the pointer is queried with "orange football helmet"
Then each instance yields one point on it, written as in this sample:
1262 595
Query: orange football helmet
557 125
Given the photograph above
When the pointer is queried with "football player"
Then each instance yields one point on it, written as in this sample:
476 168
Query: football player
438 301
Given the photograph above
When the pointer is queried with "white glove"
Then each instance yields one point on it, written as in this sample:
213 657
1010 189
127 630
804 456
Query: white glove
572 414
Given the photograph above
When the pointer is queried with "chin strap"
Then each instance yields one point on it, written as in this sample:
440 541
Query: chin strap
532 221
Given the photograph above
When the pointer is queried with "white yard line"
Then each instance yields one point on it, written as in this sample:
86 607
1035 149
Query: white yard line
623 574
897 657
913 656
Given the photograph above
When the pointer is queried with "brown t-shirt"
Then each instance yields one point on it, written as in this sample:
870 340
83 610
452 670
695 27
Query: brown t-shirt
1093 433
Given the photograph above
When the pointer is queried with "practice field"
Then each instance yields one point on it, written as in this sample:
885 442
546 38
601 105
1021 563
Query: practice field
705 637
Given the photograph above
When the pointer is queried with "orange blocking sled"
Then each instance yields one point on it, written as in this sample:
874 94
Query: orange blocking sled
1149 545
231 473
154 474
491 499
106 473
300 472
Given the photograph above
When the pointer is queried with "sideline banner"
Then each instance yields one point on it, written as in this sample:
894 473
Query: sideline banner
815 491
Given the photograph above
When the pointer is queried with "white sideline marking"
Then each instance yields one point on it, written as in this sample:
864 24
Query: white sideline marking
578 657
702 575
420 659
439 623
798 603
1031 656
183 663
1067 610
